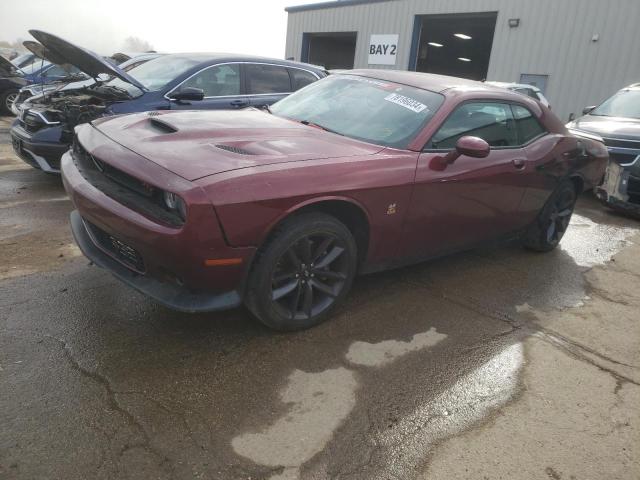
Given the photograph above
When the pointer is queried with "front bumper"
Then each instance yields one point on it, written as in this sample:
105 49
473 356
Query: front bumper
42 155
168 294
168 263
618 189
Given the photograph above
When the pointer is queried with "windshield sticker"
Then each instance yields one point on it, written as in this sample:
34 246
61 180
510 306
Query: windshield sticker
406 102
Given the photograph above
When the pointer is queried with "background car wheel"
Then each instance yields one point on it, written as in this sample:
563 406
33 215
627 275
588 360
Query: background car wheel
6 100
302 273
547 231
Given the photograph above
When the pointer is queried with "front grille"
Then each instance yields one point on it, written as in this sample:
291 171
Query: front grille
622 158
124 188
621 143
116 248
633 188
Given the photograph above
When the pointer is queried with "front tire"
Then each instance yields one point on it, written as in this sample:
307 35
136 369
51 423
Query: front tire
6 100
302 273
552 223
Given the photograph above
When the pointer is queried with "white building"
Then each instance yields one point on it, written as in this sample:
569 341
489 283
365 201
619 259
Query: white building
578 52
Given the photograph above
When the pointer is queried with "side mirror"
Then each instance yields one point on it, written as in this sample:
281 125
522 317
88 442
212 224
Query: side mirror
474 147
188 93
587 110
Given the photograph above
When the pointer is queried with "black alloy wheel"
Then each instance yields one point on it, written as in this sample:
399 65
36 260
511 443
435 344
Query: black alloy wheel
302 273
552 223
560 216
309 276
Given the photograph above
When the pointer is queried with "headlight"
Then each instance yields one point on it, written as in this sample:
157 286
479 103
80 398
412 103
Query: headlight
175 204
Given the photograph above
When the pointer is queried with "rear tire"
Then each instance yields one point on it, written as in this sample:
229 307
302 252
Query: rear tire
302 273
546 232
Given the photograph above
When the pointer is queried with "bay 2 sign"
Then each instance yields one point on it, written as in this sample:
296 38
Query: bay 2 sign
383 49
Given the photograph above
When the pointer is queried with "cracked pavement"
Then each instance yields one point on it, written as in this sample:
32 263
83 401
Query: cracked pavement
496 363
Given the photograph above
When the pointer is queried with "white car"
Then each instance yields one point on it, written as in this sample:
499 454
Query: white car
523 88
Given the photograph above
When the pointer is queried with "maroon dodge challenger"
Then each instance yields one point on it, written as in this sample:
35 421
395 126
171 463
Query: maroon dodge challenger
359 172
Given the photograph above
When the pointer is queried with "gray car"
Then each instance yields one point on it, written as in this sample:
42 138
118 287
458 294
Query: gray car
617 122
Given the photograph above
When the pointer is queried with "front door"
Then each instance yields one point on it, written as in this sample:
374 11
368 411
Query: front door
222 87
473 199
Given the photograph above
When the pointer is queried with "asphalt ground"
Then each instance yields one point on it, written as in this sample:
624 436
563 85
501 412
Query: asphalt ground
496 363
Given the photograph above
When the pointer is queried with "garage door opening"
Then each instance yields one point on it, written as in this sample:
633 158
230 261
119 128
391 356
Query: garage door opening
330 50
455 44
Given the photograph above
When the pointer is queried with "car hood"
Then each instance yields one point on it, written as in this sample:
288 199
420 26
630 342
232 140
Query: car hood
609 127
196 144
86 61
8 69
45 54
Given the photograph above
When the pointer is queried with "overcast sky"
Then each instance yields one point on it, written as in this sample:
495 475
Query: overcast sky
237 26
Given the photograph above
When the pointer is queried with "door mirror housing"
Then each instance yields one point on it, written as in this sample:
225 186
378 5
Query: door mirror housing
474 147
188 93
588 110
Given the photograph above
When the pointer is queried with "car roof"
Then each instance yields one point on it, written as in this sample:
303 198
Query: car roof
205 57
425 81
513 85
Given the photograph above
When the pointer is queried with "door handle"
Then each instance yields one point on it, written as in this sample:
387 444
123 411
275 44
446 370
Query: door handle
519 163
239 103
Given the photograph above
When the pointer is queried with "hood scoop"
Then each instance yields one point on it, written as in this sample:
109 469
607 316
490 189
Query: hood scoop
233 149
162 125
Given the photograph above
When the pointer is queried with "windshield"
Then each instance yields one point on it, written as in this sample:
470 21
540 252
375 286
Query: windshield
155 74
367 109
625 103
36 66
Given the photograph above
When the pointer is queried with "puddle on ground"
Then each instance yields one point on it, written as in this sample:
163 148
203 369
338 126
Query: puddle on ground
471 399
379 354
319 403
589 243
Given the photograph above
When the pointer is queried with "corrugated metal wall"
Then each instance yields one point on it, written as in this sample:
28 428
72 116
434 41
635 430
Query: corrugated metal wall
554 38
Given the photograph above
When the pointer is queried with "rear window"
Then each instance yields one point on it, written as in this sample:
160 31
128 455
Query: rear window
267 79
301 78
527 124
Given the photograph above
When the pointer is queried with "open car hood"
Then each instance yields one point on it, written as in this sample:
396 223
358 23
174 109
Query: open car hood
8 69
85 60
195 144
41 52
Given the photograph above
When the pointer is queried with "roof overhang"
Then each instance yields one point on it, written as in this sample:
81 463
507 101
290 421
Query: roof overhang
332 4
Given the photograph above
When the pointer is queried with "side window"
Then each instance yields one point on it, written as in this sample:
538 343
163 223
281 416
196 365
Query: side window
217 81
493 122
528 92
527 124
301 78
267 79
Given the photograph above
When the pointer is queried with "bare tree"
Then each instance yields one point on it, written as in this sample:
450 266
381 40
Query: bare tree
136 44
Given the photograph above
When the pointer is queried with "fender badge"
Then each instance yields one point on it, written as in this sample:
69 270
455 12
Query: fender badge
391 209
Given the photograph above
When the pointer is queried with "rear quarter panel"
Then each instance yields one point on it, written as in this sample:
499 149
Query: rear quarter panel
250 202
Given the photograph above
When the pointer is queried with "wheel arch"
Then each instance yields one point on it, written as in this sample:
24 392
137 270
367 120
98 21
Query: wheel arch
347 210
